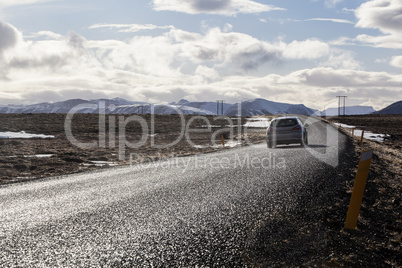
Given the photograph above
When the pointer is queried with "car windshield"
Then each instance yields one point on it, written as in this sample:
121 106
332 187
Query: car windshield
286 122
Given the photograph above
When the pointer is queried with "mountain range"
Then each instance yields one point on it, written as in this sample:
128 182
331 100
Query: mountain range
246 108
122 106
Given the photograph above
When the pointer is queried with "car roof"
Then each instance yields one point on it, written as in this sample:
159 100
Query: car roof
285 117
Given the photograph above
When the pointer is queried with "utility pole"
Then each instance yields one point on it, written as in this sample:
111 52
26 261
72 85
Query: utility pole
341 105
219 107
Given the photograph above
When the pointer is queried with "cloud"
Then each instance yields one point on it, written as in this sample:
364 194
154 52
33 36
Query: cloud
385 15
331 20
308 49
127 28
342 59
328 77
210 5
9 36
207 74
396 61
231 51
179 64
238 52
36 59
221 7
45 34
385 41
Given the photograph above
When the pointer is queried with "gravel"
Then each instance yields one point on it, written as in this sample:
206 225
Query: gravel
162 214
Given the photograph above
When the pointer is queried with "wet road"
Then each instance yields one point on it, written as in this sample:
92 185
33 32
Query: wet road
188 211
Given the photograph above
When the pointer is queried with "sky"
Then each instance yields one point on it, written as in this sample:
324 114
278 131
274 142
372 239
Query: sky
161 51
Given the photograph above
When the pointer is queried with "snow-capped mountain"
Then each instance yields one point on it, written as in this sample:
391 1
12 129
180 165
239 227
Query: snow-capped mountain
157 109
64 106
210 106
112 106
122 106
395 108
349 110
262 106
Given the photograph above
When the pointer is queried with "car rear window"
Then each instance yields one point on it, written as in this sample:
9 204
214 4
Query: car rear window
286 123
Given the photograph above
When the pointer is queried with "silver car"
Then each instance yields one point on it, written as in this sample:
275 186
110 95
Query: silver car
286 130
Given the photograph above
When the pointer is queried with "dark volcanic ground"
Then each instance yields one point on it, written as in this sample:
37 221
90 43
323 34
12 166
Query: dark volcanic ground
19 159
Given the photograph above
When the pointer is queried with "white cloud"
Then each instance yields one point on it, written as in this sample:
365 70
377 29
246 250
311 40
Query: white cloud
221 7
383 41
180 64
233 51
330 20
9 36
396 61
308 49
342 59
385 15
386 41
46 34
127 28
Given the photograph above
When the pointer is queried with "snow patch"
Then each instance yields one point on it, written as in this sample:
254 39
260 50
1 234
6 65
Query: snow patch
259 122
102 163
367 134
40 155
23 135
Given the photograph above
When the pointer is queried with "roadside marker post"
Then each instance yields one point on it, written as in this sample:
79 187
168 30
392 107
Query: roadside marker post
361 139
353 131
223 141
358 189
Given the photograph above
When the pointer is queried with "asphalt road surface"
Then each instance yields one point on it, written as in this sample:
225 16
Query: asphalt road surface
204 210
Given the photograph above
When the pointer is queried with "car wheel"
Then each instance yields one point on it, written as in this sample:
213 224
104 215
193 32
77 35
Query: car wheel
269 144
305 140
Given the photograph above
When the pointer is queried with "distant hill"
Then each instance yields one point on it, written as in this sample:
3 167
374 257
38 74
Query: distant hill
210 106
112 106
349 110
122 106
395 108
262 106
63 106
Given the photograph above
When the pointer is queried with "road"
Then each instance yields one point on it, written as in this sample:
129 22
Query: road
205 210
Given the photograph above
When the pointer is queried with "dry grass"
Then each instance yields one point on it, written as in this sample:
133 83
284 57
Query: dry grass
67 158
380 220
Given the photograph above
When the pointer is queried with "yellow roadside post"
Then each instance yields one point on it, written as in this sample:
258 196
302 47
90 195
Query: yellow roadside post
223 141
358 189
361 139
